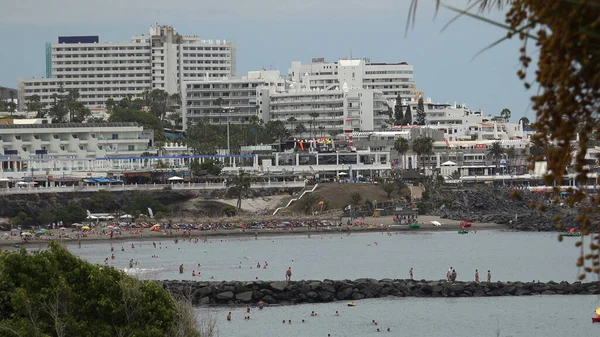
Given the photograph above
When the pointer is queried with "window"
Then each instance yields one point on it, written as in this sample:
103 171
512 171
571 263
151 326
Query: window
115 136
18 137
130 148
74 136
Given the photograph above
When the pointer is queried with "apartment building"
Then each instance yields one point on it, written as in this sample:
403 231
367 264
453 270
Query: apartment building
323 113
73 140
392 79
163 59
233 99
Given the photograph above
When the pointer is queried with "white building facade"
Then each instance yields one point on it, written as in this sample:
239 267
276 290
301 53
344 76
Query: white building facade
333 110
392 79
163 59
459 123
241 98
73 141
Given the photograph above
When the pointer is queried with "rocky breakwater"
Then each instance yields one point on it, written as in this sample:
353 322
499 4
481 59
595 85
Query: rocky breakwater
280 292
503 206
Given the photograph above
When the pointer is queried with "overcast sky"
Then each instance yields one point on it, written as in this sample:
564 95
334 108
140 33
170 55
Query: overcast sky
272 33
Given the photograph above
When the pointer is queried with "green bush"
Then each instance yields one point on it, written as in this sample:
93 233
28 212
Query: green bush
54 293
229 210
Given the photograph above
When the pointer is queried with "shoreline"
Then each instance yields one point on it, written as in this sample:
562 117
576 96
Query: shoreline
146 235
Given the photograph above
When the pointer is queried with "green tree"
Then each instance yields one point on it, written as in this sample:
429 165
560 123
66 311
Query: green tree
423 147
388 188
34 103
356 197
144 118
54 293
408 116
300 130
19 219
239 185
505 113
57 110
525 121
495 150
211 166
401 145
420 112
398 114
137 205
308 202
292 120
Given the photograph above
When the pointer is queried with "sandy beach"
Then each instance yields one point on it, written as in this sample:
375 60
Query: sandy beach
367 225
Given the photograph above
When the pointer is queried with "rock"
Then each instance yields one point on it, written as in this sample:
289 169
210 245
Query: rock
244 297
204 301
269 299
279 285
358 296
344 293
225 296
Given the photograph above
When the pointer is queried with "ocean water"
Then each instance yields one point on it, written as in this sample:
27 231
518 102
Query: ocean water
535 316
511 256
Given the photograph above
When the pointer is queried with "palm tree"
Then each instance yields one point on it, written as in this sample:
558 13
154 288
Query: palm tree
401 146
321 128
525 121
505 113
495 151
308 201
239 185
300 129
423 146
511 153
292 120
314 116
356 197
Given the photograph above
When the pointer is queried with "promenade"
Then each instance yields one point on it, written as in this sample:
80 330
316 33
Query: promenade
145 187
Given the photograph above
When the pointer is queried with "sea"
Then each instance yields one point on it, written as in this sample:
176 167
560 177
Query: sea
510 256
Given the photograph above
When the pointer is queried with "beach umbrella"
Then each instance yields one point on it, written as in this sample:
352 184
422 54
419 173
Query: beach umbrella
26 234
86 228
62 228
14 230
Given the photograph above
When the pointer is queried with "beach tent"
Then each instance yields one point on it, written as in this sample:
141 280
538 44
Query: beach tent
155 228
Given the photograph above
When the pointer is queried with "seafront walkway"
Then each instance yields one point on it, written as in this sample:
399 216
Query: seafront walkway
145 187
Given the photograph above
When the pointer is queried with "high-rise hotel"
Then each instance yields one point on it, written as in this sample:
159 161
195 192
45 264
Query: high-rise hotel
163 59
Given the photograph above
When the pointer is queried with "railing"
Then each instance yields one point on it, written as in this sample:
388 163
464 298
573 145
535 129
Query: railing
296 199
144 187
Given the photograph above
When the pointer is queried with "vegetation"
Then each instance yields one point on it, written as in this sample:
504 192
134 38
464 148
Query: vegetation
70 214
9 106
140 204
356 197
423 146
401 145
420 112
229 210
208 166
388 188
505 113
54 293
308 202
239 185
408 116
398 115
566 34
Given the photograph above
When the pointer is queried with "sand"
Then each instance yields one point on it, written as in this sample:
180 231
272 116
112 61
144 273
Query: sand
368 225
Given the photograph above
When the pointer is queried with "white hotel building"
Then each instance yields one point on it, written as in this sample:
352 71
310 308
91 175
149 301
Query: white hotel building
242 97
392 79
163 59
74 140
337 109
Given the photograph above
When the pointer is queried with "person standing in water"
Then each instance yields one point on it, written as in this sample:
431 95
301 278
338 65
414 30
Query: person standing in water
476 276
489 276
288 274
410 273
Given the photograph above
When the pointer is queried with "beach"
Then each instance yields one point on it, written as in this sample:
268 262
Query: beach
366 225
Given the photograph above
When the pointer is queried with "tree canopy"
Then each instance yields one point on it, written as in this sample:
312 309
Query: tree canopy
54 293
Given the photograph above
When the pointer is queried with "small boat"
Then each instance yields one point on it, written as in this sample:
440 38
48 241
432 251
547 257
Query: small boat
596 319
351 304
414 225
463 231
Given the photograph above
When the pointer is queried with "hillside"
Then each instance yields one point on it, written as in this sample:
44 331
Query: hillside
338 196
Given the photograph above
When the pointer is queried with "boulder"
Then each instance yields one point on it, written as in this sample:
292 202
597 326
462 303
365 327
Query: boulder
279 285
245 297
225 296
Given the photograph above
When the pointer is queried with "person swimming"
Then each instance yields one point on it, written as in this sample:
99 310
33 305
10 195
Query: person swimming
337 313
229 316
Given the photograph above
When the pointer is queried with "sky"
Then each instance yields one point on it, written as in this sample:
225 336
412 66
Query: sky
270 34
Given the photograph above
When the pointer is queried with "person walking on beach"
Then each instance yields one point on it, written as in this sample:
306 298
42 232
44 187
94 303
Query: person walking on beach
288 274
410 273
489 276
476 276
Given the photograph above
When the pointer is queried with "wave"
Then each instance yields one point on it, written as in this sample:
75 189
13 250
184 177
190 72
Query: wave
137 271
